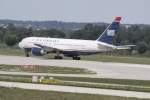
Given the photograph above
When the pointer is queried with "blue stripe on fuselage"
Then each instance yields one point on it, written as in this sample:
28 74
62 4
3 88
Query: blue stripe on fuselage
77 53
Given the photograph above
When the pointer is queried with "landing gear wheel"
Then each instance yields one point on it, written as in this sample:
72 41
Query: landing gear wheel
58 57
27 55
76 58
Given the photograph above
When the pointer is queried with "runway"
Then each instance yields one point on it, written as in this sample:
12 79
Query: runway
103 69
76 89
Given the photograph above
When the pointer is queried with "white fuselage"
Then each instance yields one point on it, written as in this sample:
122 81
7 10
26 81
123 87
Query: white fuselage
66 44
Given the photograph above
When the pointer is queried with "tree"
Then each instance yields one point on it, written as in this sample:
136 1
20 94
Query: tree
89 32
88 27
142 47
56 33
49 33
10 40
2 33
22 33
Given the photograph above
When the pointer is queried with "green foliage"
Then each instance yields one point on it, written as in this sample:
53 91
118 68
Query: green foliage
141 47
23 94
45 69
49 33
89 32
10 40
144 83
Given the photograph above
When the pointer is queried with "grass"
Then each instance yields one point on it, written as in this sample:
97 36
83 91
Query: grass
9 78
107 86
107 80
44 69
106 83
118 58
23 94
11 51
110 58
116 84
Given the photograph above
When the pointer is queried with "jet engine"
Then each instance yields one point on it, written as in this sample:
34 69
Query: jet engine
38 51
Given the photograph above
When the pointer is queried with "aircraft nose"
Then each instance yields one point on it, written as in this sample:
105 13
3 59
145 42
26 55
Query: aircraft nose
20 45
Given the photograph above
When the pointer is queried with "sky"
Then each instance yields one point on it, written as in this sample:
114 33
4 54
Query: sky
132 11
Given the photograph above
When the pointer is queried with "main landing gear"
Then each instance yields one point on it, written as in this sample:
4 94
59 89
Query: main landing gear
27 55
58 57
76 58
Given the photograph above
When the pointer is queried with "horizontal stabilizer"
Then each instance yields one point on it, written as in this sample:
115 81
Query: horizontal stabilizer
125 47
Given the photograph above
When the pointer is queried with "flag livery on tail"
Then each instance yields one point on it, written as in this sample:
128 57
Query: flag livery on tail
108 35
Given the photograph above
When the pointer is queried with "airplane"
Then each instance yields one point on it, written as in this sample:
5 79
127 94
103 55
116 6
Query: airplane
73 47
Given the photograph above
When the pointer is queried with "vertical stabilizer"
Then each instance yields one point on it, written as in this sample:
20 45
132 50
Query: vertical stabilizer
110 32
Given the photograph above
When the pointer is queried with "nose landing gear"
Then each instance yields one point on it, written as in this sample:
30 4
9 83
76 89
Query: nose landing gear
27 53
58 55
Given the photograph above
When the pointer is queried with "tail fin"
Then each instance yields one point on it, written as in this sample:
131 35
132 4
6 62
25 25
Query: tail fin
108 35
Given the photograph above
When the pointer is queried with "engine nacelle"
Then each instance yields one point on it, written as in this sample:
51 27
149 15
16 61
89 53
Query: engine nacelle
38 51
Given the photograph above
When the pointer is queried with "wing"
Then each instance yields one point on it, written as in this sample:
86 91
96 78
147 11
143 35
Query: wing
47 48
